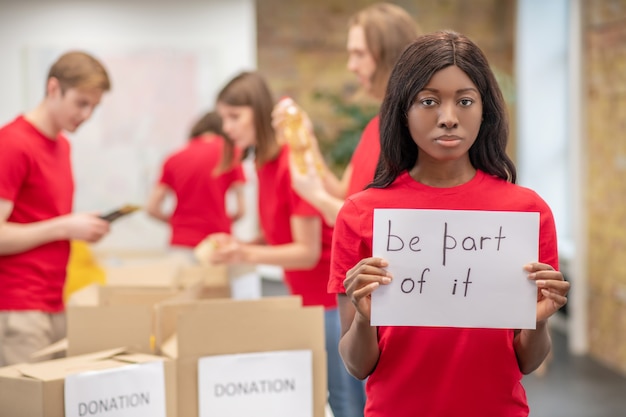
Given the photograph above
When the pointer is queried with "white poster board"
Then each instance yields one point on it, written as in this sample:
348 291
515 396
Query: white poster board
456 268
135 390
264 384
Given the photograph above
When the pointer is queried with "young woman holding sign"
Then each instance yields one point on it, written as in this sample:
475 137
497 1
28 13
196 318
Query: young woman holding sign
444 131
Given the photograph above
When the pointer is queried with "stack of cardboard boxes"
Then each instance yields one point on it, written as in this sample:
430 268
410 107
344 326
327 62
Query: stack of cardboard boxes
164 338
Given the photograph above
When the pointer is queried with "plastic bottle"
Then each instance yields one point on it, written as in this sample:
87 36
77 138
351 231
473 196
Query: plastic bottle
297 135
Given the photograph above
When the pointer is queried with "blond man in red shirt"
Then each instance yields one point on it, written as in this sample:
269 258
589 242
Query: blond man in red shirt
36 196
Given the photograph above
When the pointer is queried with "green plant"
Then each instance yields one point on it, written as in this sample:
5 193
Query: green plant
352 119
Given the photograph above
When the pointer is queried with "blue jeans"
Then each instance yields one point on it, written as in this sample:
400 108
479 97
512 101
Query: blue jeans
346 394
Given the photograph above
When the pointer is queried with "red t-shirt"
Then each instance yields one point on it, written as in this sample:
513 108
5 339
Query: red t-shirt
200 193
365 157
440 372
277 204
36 175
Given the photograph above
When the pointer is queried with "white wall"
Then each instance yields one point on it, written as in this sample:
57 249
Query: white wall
117 154
578 325
228 26
549 133
542 92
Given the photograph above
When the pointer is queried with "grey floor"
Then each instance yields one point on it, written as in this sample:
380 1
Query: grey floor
575 386
571 387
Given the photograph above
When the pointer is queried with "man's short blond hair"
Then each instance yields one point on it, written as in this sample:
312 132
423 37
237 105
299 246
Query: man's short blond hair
77 69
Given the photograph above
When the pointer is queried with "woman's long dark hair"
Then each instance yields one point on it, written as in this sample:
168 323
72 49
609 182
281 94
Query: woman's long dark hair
416 66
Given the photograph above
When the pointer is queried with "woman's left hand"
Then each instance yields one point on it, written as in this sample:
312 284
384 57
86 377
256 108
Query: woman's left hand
552 289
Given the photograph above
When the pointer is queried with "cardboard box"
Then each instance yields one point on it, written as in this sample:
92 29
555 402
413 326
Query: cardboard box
215 280
103 317
214 275
126 295
86 296
95 328
91 329
167 313
107 325
122 313
163 273
116 257
242 326
135 285
124 317
174 274
37 390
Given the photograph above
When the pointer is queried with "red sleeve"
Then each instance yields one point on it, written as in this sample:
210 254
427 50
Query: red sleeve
14 165
348 246
548 249
166 174
365 157
301 207
235 175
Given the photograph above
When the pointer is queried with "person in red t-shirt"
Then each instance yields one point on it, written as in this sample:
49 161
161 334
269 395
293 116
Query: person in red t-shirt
376 37
444 131
199 175
295 236
36 193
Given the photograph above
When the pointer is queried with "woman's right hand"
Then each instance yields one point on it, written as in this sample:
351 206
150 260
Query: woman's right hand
279 114
307 184
362 280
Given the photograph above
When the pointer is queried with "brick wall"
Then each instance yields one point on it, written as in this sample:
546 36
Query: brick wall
604 34
301 46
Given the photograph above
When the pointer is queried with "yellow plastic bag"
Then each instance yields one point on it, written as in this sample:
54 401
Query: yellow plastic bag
82 269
